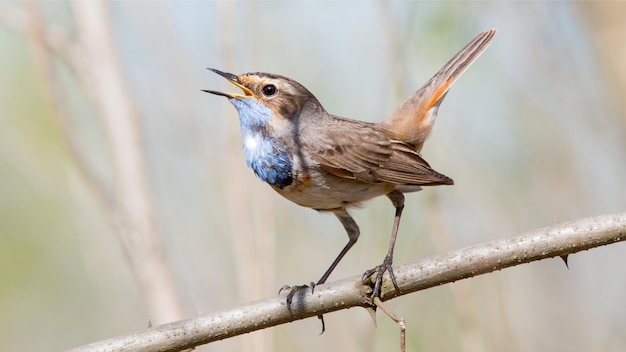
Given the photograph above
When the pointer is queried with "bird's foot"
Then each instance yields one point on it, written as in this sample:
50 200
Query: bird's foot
292 292
380 271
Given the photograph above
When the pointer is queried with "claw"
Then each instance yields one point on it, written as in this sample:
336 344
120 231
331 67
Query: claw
292 292
380 270
284 288
321 317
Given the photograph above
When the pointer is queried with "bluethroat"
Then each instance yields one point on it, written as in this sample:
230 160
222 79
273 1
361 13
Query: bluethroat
330 163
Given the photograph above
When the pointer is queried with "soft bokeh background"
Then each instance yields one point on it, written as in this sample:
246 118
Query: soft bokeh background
532 134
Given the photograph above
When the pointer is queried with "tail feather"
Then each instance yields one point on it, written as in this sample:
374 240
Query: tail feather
415 118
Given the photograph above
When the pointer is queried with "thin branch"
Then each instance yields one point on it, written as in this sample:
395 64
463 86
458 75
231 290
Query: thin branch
399 320
553 241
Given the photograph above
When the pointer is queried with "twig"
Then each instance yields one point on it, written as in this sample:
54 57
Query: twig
395 318
548 242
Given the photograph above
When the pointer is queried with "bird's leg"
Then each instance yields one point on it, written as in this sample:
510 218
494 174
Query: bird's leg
397 198
353 234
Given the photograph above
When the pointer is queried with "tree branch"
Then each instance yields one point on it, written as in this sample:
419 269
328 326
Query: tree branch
556 240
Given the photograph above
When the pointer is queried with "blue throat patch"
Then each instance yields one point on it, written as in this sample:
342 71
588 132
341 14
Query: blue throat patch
264 154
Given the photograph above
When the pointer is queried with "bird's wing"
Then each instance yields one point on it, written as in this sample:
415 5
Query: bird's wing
360 151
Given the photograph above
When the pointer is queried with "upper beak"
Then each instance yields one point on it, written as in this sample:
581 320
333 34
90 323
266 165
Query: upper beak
234 80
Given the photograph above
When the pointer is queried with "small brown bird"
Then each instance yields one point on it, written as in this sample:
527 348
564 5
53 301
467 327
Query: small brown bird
330 163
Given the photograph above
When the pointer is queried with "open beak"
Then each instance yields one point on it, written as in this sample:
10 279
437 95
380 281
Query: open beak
247 93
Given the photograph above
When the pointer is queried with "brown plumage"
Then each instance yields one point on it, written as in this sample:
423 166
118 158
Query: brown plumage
365 152
330 163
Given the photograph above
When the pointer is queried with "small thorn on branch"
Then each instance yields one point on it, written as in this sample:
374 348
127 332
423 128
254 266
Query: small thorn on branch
564 257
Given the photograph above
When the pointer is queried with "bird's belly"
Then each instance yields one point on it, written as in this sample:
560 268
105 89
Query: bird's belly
323 191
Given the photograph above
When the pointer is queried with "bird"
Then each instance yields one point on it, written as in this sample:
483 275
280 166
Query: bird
332 164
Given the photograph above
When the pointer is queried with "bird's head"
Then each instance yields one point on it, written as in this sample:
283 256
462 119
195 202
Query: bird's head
266 98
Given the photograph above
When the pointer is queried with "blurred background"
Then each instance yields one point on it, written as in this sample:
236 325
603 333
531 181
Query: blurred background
125 199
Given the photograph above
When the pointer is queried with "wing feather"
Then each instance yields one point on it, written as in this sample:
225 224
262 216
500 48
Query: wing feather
361 151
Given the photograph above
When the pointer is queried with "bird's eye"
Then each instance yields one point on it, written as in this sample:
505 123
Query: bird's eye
269 90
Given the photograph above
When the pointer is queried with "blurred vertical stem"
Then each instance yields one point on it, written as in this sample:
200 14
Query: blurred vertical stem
253 234
605 25
137 227
130 211
470 336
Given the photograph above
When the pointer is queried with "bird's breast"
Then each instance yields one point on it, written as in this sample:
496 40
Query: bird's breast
268 158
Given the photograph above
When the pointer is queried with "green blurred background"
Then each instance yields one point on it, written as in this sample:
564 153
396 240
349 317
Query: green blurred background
534 133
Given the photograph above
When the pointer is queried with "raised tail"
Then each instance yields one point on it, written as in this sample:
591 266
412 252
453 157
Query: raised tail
414 119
